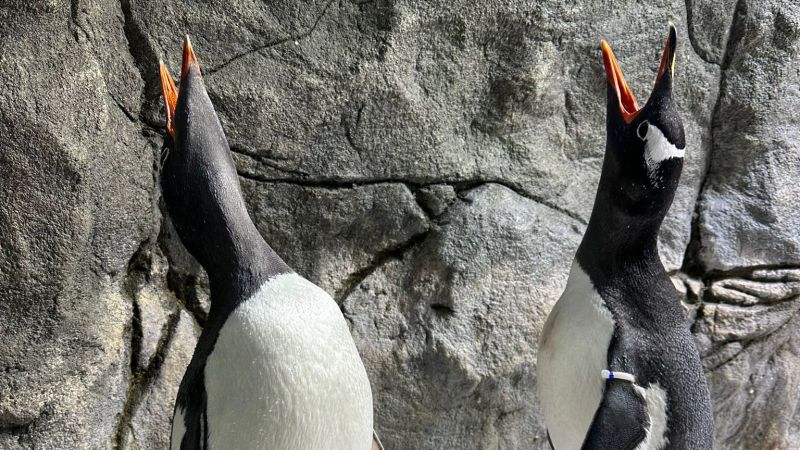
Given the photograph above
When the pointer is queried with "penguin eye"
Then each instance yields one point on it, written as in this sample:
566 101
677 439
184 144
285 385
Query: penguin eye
642 129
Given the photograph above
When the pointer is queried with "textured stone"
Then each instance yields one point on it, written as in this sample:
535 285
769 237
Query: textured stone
150 423
708 26
448 329
359 227
76 202
430 164
748 210
432 92
436 198
750 346
750 292
759 380
748 216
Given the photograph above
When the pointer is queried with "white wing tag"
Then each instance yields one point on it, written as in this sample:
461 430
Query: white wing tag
612 375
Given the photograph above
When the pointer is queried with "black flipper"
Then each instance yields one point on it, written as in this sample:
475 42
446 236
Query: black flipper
620 422
191 402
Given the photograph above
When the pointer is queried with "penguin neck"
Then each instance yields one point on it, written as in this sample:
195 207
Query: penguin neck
239 261
202 191
219 233
616 242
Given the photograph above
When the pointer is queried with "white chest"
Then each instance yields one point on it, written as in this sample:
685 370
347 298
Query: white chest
573 350
285 374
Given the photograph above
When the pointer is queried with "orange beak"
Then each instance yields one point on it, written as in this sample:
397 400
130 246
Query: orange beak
170 93
168 89
627 101
189 57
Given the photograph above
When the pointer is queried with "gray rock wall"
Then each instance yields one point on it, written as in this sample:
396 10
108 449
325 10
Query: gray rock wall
432 165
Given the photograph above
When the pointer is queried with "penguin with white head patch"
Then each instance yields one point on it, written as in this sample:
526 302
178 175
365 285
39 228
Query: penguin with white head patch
617 365
275 366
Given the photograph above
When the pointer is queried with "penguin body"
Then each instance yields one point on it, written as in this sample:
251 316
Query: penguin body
275 366
617 365
294 366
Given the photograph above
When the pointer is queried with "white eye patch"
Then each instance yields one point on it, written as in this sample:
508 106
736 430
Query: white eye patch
656 146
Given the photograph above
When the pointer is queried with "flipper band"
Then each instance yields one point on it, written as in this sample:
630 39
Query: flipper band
612 375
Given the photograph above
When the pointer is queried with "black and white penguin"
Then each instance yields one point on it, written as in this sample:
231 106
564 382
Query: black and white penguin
275 366
617 365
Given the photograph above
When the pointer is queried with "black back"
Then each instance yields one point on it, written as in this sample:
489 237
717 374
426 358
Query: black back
204 200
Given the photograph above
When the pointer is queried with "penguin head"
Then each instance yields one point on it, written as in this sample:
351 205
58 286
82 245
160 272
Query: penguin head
645 146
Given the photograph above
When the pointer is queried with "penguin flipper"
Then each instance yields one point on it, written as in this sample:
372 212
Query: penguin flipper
621 421
189 422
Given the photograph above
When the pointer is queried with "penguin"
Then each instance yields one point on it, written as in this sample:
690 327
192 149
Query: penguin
275 367
617 366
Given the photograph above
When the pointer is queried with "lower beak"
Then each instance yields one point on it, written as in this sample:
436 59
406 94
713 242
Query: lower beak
627 102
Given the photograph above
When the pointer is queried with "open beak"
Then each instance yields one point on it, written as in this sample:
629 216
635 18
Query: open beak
627 101
168 88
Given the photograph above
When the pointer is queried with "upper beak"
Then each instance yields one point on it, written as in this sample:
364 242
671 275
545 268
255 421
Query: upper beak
168 88
189 58
668 56
627 101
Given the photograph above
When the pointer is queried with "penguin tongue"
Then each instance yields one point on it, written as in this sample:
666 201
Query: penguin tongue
627 102
189 58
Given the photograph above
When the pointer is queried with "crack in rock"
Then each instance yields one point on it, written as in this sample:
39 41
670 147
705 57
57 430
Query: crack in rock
142 373
266 160
182 282
745 344
184 288
744 292
692 263
705 55
274 43
461 185
144 377
352 281
75 25
144 57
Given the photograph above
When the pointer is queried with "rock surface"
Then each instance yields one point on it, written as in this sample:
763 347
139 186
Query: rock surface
430 165
748 210
450 326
